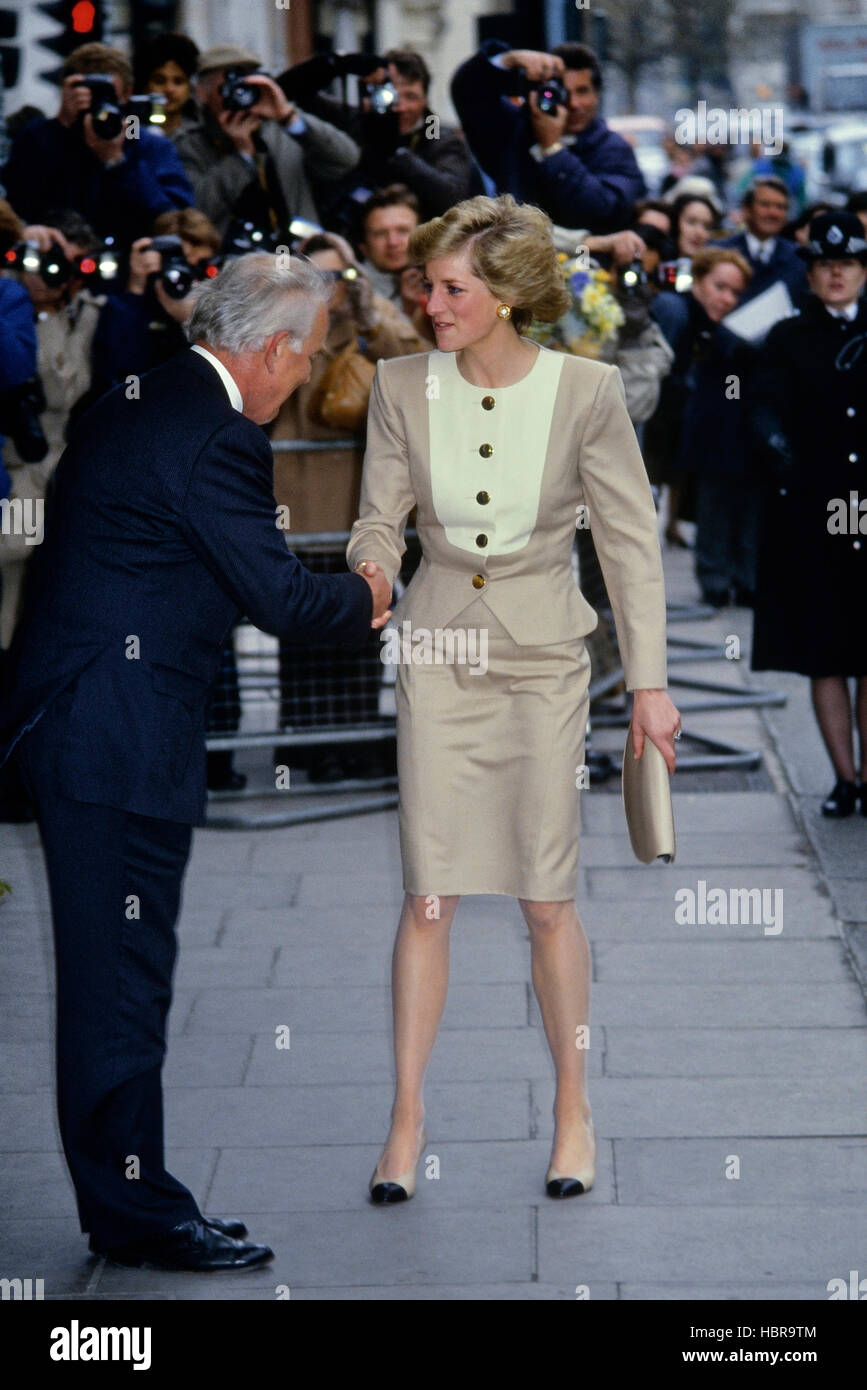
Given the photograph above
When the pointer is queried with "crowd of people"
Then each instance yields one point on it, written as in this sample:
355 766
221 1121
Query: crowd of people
118 207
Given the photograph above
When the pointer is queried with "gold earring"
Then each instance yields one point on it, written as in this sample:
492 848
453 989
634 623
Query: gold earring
504 312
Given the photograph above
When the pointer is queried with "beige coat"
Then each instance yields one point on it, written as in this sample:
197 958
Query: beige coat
592 461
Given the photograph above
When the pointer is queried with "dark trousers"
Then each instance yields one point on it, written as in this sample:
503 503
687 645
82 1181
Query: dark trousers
727 524
115 883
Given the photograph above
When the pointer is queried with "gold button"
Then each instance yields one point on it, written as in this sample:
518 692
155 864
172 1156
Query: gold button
486 450
488 402
481 541
479 581
483 498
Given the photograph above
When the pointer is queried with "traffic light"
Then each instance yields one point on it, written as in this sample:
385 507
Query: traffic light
10 57
81 21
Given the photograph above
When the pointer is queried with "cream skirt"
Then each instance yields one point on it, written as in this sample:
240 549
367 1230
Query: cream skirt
487 767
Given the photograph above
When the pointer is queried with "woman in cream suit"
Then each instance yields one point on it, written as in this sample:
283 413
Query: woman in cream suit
498 443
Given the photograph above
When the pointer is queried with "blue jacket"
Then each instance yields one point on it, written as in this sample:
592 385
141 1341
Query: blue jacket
17 348
160 534
51 167
593 183
785 264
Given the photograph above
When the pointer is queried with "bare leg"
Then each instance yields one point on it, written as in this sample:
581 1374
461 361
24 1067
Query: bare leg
561 979
861 708
419 982
833 710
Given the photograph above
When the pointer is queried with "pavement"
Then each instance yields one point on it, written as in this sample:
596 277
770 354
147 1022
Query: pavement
727 1060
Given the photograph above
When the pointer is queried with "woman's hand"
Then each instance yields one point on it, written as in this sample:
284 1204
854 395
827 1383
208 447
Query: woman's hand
654 716
379 588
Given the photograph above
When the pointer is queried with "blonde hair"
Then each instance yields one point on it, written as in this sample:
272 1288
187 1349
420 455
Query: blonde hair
709 257
511 249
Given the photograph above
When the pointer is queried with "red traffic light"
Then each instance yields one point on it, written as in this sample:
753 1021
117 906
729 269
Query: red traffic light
83 17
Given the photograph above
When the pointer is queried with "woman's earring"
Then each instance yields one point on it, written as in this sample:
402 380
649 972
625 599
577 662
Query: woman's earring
504 311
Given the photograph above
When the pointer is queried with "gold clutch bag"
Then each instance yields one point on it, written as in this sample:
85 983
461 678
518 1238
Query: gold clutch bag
646 784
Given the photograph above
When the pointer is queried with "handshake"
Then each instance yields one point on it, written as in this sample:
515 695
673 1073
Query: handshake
380 590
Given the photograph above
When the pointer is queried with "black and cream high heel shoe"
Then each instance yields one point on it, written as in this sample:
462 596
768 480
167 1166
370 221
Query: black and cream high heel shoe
570 1184
384 1193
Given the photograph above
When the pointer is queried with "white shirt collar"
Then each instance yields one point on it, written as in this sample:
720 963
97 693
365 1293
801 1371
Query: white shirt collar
761 250
850 312
225 376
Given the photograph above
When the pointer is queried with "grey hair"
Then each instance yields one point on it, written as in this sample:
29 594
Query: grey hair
254 296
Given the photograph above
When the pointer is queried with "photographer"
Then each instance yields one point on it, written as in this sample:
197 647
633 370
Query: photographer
142 325
402 140
82 159
557 153
253 156
66 314
17 338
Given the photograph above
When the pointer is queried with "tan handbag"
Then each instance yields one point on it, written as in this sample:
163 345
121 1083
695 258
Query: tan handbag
646 784
340 400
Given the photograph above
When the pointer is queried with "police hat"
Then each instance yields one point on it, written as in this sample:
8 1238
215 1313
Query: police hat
835 236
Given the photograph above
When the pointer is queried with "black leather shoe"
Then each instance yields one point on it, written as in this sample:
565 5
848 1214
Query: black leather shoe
227 1226
862 798
565 1187
842 800
193 1245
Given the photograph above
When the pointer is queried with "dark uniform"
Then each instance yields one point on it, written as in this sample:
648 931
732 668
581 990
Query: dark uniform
811 417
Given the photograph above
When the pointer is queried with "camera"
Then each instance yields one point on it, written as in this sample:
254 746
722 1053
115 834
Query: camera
238 94
176 275
52 266
105 109
550 95
150 108
631 277
20 409
382 98
242 237
102 266
675 275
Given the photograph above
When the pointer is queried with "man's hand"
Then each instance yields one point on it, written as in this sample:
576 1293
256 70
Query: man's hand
380 589
654 716
46 237
548 129
623 247
538 66
74 98
142 264
240 126
105 150
272 104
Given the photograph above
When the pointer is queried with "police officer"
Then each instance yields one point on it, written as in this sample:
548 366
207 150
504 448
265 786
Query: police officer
810 417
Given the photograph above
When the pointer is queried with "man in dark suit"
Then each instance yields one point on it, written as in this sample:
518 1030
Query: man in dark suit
160 535
765 207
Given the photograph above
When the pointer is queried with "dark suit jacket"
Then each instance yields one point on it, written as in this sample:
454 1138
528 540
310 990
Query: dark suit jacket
785 264
160 534
593 183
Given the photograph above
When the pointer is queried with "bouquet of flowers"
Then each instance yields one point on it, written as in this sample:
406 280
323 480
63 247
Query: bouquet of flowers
591 322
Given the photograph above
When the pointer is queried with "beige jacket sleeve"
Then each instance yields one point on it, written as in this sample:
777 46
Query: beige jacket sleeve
386 491
623 524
